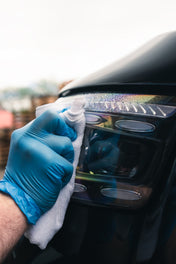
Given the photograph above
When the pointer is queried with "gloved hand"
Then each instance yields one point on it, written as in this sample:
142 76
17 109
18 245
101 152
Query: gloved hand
39 164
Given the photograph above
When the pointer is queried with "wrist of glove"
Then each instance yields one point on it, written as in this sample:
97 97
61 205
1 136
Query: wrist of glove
26 204
39 164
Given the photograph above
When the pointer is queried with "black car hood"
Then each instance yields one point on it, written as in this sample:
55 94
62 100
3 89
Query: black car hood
152 68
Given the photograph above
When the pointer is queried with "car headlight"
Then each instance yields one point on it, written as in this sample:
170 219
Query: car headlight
125 139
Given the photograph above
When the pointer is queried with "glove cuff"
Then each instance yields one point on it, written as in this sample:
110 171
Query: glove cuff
26 204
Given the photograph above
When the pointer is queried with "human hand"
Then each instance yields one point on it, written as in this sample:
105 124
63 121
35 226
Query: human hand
39 164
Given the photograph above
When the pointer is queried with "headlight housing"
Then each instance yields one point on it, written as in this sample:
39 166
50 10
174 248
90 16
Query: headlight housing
126 138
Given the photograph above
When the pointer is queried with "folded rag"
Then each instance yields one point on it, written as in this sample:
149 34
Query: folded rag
47 226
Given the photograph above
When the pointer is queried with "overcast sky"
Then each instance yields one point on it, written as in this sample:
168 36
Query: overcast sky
65 39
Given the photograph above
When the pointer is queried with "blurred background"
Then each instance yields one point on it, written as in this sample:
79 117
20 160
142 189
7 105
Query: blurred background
44 44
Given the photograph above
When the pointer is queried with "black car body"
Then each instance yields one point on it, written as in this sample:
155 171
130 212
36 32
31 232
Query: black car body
123 204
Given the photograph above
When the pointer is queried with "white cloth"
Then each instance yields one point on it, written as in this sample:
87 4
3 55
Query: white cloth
48 224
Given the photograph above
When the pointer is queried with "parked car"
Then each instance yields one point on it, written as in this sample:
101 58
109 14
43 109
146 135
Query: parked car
122 209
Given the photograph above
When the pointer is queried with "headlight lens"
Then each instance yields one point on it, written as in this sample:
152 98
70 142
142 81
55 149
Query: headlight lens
124 141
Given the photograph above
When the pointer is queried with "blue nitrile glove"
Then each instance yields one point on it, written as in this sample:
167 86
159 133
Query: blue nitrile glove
39 164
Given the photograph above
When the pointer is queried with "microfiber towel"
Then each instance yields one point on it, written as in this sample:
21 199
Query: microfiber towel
49 223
